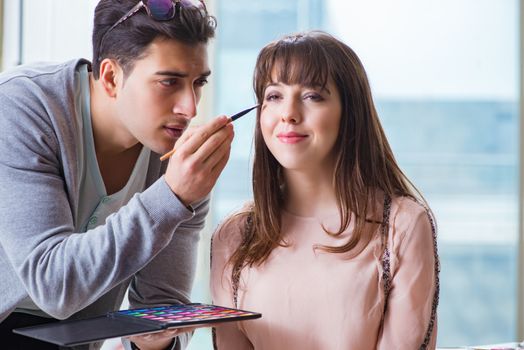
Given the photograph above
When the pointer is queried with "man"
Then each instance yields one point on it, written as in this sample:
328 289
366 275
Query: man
87 209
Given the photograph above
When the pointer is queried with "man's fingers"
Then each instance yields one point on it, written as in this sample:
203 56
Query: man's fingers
214 144
201 134
219 166
192 170
207 155
218 153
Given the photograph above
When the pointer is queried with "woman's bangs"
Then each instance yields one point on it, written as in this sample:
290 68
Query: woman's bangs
297 63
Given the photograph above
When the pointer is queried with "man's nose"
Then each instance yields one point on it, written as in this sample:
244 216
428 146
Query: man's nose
185 103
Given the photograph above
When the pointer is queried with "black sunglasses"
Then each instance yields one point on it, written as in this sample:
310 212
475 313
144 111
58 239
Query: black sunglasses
159 10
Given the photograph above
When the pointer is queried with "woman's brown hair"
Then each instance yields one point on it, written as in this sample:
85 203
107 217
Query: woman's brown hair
365 168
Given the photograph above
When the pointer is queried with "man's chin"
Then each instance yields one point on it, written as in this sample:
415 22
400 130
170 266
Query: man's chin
164 149
159 148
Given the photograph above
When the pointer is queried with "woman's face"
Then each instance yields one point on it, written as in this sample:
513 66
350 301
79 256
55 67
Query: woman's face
300 125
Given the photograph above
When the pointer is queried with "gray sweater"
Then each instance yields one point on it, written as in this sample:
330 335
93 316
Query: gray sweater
149 245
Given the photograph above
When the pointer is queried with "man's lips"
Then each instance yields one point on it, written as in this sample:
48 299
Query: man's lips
174 131
291 137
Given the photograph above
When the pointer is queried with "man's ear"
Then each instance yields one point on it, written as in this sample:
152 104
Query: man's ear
110 76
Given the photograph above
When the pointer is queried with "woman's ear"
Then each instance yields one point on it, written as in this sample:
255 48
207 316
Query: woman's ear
110 76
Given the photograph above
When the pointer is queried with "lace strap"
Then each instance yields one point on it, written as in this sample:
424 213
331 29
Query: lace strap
435 301
237 270
386 257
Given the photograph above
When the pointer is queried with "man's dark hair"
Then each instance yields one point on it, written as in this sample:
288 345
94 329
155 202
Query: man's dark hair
128 41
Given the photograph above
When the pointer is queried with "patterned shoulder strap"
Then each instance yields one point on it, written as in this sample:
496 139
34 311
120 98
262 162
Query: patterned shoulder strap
386 256
213 329
434 304
237 269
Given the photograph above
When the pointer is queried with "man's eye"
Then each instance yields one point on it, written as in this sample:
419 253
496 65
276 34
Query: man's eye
201 82
168 82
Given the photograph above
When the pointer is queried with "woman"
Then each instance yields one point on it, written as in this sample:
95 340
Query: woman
337 249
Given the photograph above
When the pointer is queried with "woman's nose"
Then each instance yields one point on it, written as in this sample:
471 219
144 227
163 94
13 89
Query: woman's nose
290 113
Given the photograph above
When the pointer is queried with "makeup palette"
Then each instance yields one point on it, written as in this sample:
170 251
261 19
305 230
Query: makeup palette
188 314
133 321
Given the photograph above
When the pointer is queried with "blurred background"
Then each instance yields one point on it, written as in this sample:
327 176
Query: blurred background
446 78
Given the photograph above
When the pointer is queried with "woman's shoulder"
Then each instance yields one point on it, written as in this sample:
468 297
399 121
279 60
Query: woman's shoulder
409 212
409 207
412 231
230 231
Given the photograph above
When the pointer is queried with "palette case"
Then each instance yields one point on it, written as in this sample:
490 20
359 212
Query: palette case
132 322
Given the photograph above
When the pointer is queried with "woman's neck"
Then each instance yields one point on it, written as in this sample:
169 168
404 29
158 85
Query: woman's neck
310 194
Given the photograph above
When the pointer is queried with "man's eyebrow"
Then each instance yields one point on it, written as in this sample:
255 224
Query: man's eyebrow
176 74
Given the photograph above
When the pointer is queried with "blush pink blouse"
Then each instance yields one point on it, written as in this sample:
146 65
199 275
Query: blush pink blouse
311 299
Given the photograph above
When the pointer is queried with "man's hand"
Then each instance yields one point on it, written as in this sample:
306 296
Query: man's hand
158 340
161 340
201 155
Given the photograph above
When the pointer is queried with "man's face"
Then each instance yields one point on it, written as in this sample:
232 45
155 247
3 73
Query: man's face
158 98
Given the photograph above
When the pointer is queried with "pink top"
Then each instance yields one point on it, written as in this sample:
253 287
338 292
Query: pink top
310 299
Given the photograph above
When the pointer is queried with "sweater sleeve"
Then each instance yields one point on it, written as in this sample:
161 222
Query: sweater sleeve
168 278
225 240
64 271
410 314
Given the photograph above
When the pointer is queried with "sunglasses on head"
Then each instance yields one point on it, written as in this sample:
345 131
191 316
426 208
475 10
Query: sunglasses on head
159 10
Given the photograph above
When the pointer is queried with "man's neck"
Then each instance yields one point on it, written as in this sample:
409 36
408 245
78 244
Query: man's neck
104 122
116 160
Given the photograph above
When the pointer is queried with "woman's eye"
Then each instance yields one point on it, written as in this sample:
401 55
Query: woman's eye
271 97
313 97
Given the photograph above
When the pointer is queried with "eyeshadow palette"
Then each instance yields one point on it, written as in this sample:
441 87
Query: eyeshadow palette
133 321
188 314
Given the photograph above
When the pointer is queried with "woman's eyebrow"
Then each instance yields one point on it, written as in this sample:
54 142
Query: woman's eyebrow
271 84
320 87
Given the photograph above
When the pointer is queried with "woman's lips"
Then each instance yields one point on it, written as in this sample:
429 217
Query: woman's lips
291 137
